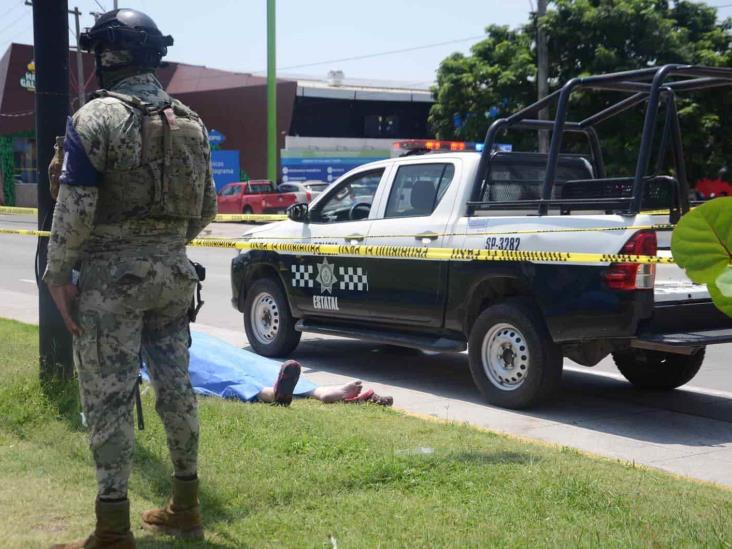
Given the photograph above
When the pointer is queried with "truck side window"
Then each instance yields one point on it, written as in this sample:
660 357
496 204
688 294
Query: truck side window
520 176
359 189
418 189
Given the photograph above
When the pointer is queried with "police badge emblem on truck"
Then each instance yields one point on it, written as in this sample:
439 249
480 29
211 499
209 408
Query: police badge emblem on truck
326 276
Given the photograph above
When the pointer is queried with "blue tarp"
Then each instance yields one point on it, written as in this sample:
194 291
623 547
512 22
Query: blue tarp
223 370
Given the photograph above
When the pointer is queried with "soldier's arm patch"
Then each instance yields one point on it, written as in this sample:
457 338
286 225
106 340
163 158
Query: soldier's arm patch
77 169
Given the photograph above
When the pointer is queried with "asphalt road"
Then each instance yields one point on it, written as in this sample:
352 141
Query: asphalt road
17 275
687 431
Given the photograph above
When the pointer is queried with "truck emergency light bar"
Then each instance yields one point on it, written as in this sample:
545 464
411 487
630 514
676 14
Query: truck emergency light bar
411 145
421 146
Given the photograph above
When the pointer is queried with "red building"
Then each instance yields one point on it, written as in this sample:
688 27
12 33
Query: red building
234 104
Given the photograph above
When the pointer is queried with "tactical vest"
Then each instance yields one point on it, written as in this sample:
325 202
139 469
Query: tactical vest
160 166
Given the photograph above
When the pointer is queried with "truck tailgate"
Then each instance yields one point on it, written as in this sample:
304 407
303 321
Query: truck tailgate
683 312
672 284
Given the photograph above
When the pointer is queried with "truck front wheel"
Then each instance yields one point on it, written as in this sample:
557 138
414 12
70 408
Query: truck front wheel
268 323
513 360
656 369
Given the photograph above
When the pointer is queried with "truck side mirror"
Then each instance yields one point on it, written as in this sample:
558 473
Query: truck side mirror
298 212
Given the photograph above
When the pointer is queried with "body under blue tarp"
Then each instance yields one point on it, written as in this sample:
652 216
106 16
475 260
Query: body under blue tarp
223 370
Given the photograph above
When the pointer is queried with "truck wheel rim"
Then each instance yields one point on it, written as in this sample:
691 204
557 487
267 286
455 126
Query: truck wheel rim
265 317
505 356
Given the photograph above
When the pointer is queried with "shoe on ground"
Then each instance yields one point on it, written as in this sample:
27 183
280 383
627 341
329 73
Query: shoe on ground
181 516
112 530
287 379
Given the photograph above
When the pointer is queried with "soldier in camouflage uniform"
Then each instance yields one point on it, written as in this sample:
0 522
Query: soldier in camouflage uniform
135 187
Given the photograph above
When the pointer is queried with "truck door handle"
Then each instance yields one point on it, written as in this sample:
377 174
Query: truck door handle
427 236
358 237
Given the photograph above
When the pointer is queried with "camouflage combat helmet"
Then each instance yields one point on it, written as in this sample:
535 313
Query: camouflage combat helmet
125 38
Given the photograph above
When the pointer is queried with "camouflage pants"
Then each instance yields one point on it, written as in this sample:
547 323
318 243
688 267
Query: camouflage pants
128 305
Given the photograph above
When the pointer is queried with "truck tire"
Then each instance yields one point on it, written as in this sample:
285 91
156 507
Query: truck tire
513 360
656 369
247 210
268 322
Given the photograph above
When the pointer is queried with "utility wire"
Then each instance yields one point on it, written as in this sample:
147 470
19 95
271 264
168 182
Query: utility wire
20 33
391 52
14 21
100 6
11 10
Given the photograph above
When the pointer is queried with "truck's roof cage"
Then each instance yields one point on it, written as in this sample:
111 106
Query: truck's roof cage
650 85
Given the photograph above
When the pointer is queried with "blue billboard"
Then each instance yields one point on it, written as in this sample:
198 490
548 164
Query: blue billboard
225 166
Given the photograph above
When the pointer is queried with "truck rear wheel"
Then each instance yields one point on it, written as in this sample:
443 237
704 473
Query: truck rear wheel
656 369
513 360
268 323
247 210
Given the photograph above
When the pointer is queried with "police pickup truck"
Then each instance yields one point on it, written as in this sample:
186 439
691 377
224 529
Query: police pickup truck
517 317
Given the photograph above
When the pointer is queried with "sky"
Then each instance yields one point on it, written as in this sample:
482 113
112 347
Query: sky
231 34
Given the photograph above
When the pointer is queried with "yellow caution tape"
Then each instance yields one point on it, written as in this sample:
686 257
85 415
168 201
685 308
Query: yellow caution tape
484 233
222 218
406 252
660 212
215 243
12 210
455 254
656 212
25 232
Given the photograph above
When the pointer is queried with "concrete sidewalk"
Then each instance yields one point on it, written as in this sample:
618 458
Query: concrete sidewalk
688 432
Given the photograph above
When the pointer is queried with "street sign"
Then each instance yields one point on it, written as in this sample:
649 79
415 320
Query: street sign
324 165
215 137
225 166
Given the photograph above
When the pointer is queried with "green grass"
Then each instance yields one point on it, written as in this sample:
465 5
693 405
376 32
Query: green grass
275 477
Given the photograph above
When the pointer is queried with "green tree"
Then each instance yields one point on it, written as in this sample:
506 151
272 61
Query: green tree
594 37
498 75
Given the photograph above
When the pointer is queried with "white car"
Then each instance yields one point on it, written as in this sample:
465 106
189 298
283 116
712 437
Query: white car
306 190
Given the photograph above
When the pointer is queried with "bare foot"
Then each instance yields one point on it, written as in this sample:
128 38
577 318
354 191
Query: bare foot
336 393
267 394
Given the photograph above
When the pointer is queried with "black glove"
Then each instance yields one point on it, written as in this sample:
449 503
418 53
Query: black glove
298 212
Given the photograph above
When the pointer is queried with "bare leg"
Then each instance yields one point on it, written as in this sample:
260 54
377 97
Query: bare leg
328 394
336 393
266 394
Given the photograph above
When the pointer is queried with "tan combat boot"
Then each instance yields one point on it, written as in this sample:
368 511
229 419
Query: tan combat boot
181 517
112 531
